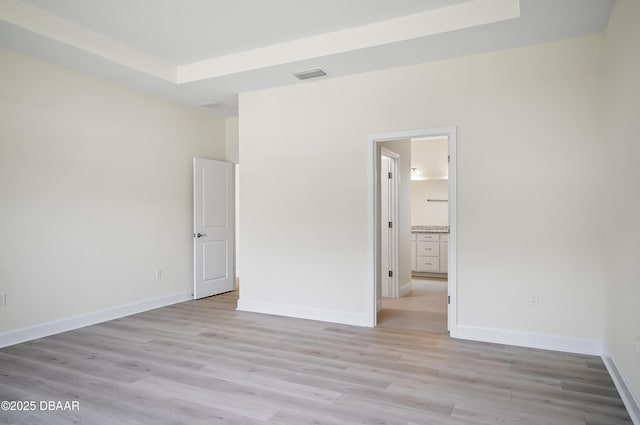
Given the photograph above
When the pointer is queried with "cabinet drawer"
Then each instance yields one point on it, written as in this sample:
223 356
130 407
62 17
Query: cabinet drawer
428 264
428 237
444 237
428 249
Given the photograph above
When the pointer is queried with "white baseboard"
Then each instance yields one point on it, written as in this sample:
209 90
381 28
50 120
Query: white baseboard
629 398
405 289
523 339
345 318
50 328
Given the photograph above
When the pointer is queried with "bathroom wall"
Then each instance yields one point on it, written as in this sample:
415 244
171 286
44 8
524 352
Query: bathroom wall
429 213
429 163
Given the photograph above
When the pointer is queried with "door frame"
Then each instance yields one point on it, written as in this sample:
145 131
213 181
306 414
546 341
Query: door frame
373 140
215 233
393 283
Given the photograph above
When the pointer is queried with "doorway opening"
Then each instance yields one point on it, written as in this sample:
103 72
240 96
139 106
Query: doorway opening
417 288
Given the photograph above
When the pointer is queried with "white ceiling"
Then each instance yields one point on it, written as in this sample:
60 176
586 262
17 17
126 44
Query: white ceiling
207 51
186 31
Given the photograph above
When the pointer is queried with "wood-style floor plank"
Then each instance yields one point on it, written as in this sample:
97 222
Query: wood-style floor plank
203 362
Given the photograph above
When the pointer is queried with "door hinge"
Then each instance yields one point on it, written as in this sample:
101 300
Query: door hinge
390 273
390 224
448 158
448 299
390 175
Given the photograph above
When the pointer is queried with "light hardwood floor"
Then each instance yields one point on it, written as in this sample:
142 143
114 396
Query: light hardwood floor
422 309
202 362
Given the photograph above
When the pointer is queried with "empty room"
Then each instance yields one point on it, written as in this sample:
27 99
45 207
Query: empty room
205 212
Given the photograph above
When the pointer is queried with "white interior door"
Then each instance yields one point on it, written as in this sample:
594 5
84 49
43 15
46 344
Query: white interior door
388 222
213 227
385 253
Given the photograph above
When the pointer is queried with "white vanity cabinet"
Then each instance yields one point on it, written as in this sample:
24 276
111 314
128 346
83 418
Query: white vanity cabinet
429 252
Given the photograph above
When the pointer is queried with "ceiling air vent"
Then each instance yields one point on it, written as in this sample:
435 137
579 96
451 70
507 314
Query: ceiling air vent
211 105
221 108
216 106
307 75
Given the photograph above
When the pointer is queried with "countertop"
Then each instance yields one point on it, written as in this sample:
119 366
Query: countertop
429 229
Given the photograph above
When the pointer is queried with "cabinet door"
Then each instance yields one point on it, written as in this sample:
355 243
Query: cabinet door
413 255
444 257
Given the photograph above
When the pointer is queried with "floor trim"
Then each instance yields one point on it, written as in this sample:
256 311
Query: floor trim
523 339
345 318
50 328
629 398
406 288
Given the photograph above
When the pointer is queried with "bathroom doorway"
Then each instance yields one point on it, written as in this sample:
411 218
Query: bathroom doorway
425 299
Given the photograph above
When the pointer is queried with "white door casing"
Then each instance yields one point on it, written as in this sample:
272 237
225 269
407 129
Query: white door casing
451 133
452 240
213 227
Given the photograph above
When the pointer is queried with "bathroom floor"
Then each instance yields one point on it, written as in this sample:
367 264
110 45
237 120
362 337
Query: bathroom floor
422 309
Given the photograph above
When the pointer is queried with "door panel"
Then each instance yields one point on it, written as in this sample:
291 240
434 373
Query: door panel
214 255
213 227
214 183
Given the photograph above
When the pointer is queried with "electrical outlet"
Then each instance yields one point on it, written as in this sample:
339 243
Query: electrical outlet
158 273
533 300
3 299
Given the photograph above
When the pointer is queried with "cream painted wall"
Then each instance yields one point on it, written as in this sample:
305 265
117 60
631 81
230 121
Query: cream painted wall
622 203
529 129
403 149
425 213
95 192
231 140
